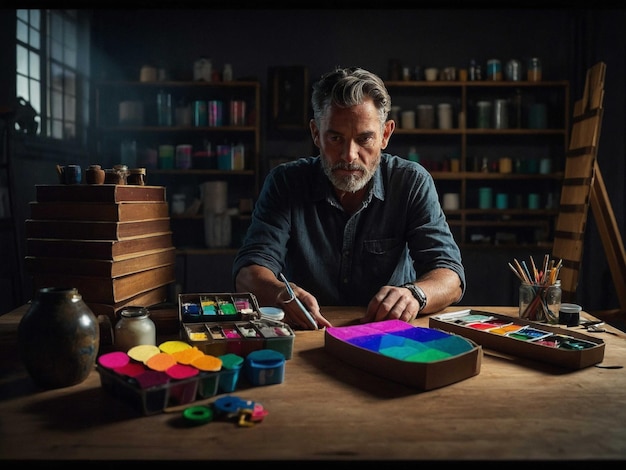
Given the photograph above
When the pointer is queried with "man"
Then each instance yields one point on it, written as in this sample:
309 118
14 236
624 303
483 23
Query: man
352 226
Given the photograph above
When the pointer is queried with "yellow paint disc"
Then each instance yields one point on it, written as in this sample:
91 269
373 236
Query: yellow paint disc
143 352
173 346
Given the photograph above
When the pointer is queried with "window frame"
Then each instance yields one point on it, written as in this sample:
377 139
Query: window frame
55 95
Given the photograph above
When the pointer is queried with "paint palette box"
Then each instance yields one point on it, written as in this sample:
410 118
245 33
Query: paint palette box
422 358
222 323
523 338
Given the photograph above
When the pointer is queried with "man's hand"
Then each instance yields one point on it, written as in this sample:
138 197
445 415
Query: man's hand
392 303
294 315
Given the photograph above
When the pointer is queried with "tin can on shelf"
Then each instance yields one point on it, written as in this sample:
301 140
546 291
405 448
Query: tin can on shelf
494 70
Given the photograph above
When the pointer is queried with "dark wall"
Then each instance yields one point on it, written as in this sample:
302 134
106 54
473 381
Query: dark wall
567 41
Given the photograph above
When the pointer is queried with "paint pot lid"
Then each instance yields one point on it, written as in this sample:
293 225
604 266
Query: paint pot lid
570 308
272 313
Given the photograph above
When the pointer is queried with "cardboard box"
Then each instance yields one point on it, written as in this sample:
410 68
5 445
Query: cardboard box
423 358
558 346
222 323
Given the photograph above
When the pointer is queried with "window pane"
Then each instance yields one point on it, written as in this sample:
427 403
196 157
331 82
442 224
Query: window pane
56 103
34 65
57 129
69 33
22 60
35 95
35 39
22 15
56 77
56 50
70 82
70 108
56 26
35 18
22 87
22 32
70 56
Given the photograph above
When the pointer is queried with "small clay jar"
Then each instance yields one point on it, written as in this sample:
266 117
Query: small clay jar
94 174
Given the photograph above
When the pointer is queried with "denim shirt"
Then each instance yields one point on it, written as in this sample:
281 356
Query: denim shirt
299 228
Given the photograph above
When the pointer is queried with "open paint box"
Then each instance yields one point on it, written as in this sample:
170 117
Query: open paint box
524 338
222 323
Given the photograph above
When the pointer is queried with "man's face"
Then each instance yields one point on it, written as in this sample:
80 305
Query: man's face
351 141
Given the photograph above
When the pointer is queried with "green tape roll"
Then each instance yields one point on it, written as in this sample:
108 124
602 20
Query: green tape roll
198 414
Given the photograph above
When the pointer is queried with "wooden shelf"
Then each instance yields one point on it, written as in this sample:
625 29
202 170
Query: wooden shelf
470 145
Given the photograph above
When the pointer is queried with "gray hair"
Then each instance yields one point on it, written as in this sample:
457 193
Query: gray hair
346 87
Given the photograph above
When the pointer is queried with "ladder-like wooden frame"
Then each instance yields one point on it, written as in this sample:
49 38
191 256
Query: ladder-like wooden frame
583 186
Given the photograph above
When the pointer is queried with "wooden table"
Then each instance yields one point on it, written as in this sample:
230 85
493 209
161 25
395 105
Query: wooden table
328 410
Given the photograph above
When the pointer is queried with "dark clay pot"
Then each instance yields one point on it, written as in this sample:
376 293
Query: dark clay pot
58 338
94 174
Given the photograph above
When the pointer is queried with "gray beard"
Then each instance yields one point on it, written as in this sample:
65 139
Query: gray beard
349 184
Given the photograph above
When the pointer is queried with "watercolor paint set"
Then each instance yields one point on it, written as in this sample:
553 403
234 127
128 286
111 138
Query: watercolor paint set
523 338
422 358
221 323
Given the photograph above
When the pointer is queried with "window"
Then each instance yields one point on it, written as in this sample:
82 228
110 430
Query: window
52 50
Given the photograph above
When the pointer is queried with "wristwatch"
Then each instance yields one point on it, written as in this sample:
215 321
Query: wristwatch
418 293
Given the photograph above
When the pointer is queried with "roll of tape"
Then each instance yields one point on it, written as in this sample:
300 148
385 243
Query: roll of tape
198 414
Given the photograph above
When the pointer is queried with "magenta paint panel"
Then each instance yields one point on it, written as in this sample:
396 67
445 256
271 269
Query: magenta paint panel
400 340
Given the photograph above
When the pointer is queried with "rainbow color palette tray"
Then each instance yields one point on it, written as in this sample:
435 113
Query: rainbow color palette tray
423 358
524 338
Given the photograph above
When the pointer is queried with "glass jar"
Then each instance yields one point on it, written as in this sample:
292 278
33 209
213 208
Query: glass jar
136 176
494 70
134 328
538 302
164 108
534 70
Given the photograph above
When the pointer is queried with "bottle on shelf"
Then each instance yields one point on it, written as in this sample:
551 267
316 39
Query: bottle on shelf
164 108
227 73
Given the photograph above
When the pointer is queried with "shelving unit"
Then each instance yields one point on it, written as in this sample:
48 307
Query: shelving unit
477 152
243 184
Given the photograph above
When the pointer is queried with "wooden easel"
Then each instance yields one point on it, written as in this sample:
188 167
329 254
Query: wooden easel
583 186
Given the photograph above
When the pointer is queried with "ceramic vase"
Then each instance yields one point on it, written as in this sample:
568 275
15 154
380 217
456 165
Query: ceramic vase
58 338
94 174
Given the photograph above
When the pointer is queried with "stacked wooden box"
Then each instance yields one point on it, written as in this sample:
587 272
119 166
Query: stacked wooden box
111 242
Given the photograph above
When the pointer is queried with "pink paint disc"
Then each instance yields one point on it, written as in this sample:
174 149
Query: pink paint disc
182 371
114 360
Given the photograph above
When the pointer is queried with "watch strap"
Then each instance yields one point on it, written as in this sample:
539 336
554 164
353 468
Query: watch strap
418 293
